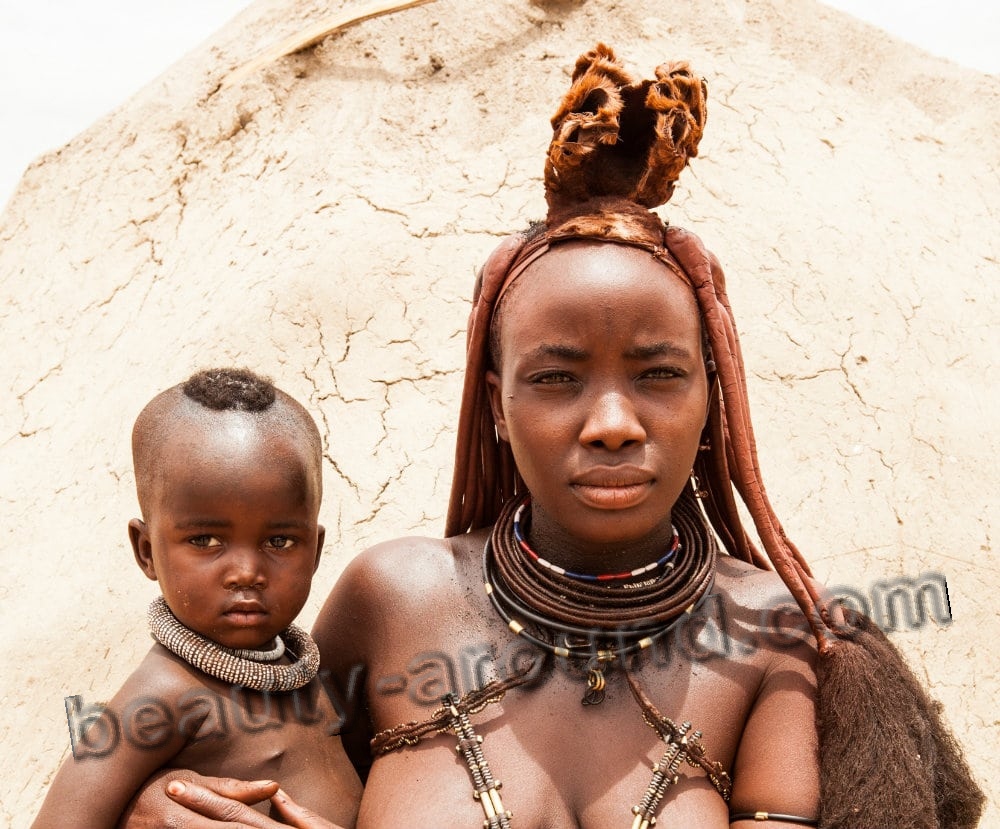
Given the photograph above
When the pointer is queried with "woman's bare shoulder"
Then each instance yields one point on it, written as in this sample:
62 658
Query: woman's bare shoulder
750 587
393 583
407 567
761 612
398 561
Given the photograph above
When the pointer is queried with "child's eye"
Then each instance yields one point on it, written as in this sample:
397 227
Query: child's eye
280 542
205 541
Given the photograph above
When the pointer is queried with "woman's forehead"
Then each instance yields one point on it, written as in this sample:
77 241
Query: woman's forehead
582 277
598 260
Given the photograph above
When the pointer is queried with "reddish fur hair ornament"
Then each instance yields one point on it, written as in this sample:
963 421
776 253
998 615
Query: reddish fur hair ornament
619 145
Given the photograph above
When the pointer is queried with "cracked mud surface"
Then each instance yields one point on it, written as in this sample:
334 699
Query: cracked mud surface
322 222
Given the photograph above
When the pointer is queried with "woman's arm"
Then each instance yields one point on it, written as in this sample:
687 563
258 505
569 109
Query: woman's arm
341 632
777 763
355 633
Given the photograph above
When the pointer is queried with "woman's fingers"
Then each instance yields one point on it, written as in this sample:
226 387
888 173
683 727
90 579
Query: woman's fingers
245 791
155 806
197 802
298 816
225 812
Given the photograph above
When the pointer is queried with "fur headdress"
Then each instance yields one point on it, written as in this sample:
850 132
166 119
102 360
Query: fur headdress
618 146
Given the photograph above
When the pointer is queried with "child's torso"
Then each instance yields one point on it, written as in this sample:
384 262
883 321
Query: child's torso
288 737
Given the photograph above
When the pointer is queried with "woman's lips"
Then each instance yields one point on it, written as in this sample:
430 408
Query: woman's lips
613 490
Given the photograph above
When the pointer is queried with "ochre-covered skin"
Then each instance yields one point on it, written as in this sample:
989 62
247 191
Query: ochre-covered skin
602 205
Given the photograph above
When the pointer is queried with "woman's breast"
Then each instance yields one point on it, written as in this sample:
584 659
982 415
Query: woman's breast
561 764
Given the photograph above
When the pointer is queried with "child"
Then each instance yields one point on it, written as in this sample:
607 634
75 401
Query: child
229 481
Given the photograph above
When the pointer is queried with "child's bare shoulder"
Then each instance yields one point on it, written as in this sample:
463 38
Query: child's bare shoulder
162 703
164 680
165 673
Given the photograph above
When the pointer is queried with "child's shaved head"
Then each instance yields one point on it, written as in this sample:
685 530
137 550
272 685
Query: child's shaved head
220 401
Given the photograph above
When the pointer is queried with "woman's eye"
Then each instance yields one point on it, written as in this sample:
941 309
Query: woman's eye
204 541
280 542
662 373
552 378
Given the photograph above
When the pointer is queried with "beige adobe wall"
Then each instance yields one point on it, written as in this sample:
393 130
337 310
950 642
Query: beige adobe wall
322 222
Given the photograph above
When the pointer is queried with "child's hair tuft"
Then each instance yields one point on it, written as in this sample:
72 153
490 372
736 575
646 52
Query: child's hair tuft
236 389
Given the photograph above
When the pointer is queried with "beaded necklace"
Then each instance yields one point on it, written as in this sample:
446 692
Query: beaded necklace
589 621
244 668
272 655
663 561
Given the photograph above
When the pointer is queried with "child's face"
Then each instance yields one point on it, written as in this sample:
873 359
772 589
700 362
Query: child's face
231 529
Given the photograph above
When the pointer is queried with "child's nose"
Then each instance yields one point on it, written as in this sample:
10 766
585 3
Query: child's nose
245 570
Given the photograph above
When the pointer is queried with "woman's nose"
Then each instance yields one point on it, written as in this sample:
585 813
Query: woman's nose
612 422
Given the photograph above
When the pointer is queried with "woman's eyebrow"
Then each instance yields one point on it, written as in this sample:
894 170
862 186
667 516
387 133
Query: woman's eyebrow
638 352
660 349
566 352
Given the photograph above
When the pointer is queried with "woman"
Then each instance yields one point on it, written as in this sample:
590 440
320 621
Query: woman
580 623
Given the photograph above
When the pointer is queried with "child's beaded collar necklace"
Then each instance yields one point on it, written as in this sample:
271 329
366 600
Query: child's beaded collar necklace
256 670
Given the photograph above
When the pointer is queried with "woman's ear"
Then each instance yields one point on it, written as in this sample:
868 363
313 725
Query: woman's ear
142 548
494 391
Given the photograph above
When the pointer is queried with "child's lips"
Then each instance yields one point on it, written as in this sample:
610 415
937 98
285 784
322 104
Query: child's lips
246 613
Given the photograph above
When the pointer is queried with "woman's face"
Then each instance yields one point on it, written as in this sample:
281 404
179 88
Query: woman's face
602 394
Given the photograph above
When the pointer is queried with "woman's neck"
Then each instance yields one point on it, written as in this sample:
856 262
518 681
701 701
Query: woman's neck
554 543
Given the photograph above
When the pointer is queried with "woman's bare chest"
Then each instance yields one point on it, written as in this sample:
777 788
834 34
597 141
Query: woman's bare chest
561 763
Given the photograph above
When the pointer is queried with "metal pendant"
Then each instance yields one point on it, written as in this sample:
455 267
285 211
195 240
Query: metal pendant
595 685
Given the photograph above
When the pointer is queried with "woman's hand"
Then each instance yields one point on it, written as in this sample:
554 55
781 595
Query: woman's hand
218 802
185 800
299 816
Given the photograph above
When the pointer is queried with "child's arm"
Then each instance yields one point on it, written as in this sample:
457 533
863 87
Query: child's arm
116 749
